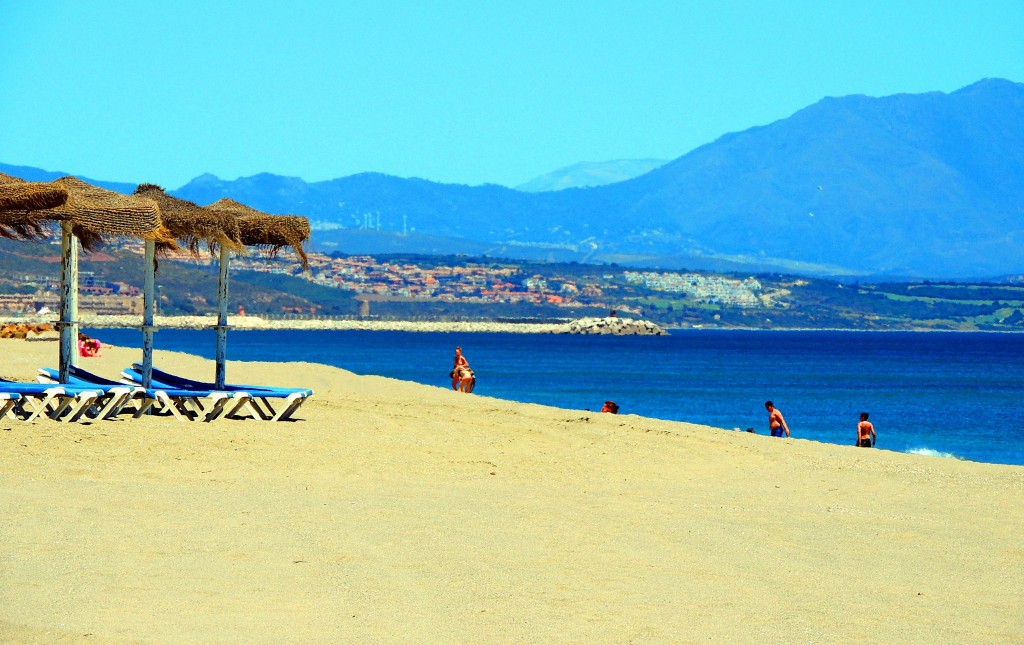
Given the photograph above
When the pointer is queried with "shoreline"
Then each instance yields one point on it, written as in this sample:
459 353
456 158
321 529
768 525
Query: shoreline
250 323
922 450
254 322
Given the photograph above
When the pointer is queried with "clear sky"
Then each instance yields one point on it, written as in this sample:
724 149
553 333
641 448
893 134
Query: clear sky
459 92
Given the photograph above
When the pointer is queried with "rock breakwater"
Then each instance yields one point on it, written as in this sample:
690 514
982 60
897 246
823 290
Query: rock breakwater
611 325
29 331
614 326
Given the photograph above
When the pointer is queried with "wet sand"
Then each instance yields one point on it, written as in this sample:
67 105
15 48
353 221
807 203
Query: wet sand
393 512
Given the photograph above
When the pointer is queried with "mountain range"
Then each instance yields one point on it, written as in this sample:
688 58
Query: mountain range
911 185
591 173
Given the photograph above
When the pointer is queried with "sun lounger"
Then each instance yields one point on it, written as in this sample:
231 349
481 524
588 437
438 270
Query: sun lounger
259 404
183 405
8 401
61 402
112 397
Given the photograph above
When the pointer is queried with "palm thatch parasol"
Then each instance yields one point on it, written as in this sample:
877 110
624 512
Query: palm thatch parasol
18 194
265 231
18 199
90 213
261 230
190 224
95 213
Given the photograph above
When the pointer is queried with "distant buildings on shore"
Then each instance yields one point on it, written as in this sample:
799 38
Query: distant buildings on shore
370 279
95 296
702 288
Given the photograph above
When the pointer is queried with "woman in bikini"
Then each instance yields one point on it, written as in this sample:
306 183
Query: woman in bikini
462 375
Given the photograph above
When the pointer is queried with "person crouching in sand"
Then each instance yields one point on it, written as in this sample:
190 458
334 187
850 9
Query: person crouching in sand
865 432
468 381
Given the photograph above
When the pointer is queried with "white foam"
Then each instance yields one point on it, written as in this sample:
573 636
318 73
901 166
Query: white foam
928 452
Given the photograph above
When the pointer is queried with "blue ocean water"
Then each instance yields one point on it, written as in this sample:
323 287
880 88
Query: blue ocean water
947 394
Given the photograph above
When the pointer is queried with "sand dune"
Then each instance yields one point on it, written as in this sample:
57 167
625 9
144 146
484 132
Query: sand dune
399 513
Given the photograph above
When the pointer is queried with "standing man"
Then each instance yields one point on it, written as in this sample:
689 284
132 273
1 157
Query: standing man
865 432
776 424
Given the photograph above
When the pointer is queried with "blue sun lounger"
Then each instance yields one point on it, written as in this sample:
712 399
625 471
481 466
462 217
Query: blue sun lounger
293 398
183 405
8 401
33 400
111 397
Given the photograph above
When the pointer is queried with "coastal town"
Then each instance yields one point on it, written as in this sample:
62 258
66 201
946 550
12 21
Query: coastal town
498 282
702 287
369 279
464 288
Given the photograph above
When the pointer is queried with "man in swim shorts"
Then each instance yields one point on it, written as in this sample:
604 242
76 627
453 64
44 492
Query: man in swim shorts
865 432
776 424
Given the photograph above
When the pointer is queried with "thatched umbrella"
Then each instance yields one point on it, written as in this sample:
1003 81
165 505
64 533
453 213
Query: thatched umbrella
17 194
191 225
260 230
18 199
94 213
89 214
271 232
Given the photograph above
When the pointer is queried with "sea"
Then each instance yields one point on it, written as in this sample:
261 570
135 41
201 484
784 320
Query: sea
957 395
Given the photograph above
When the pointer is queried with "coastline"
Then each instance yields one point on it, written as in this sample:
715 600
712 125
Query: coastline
252 322
255 322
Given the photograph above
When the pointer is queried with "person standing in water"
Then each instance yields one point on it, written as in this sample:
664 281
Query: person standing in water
866 436
776 423
460 371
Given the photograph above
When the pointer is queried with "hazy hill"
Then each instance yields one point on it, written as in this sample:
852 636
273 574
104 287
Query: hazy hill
29 173
925 185
588 174
908 185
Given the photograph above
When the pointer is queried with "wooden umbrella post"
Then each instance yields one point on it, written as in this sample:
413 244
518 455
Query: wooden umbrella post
191 225
68 323
255 229
222 316
148 311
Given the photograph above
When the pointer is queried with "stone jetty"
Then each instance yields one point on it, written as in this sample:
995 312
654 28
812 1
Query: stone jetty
613 326
609 326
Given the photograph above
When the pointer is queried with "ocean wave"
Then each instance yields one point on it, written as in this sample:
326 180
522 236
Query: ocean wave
929 452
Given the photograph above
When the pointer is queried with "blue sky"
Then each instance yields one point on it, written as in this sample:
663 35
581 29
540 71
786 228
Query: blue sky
457 92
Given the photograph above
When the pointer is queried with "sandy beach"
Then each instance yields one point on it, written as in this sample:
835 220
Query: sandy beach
393 512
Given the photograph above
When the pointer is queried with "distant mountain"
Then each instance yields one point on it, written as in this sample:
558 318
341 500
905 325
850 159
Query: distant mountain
589 174
35 174
925 185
